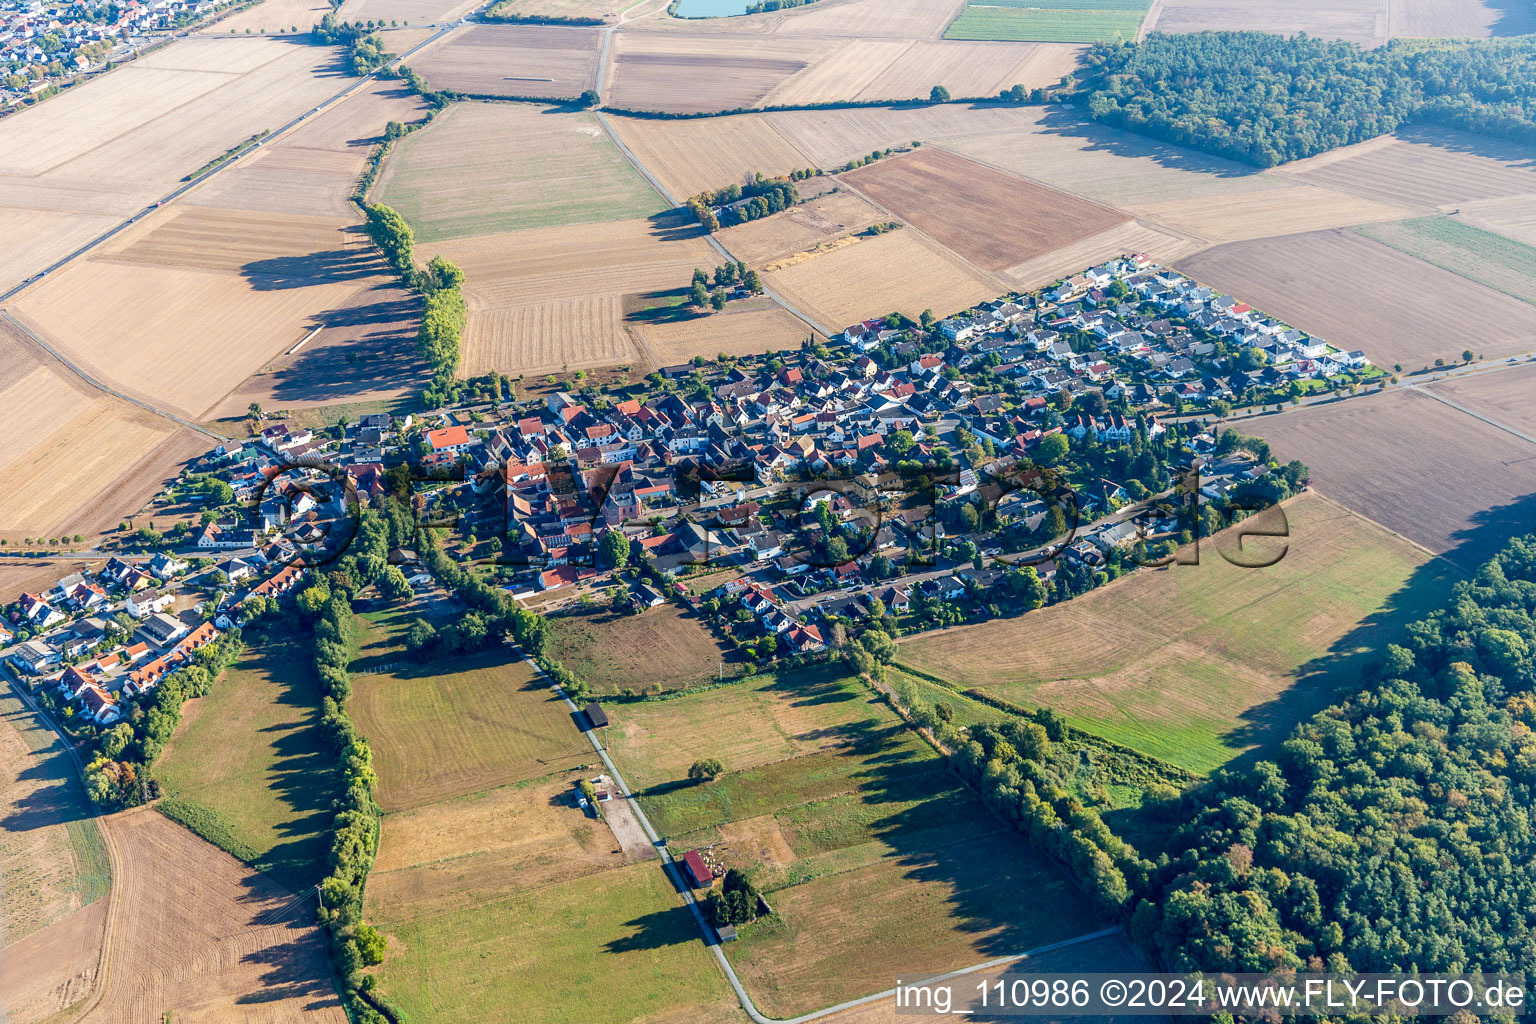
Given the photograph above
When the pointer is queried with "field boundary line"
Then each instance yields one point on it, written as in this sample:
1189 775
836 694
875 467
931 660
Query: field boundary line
706 932
103 387
613 136
1421 389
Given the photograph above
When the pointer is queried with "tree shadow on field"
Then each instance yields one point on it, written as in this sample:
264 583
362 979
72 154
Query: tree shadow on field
1513 17
1068 122
1347 664
279 273
292 970
50 804
675 226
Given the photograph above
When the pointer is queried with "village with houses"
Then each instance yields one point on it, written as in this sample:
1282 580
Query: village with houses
44 45
1021 453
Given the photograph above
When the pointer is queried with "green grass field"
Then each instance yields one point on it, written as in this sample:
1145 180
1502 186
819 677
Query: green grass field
457 725
250 768
52 856
873 853
1062 25
660 649
1196 664
1501 263
616 946
489 168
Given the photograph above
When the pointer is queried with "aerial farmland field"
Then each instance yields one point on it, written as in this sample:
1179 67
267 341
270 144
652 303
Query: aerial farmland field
831 804
487 715
1049 23
1429 169
898 270
661 648
690 156
1461 488
747 332
898 69
1360 21
1360 294
250 767
689 74
514 60
489 168
1196 664
1500 263
992 219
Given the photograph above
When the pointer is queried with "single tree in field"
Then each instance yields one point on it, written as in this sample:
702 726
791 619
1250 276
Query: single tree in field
717 299
589 98
1466 355
699 294
938 94
255 410
705 769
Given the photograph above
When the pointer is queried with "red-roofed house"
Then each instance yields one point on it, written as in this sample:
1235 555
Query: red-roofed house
449 439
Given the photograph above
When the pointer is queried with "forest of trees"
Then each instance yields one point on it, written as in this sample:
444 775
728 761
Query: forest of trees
1265 99
1391 832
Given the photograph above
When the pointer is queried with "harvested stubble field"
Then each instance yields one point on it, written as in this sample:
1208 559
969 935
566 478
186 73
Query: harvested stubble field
1359 21
1360 294
746 333
514 60
144 326
901 69
487 720
1049 24
606 9
660 649
313 169
703 73
203 938
990 218
1284 210
52 859
51 970
471 849
899 270
1196 664
409 12
1498 262
74 166
551 297
1504 396
1513 217
92 458
1428 169
690 156
870 850
1434 474
274 16
488 168
618 945
252 761
1459 19
872 19
830 138
1132 237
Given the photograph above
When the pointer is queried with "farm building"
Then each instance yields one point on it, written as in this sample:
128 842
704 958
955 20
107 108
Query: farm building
596 716
698 871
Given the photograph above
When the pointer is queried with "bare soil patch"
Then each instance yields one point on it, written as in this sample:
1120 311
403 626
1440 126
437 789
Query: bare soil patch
1430 472
515 60
1504 396
993 219
689 74
1476 19
201 936
51 970
1360 294
800 227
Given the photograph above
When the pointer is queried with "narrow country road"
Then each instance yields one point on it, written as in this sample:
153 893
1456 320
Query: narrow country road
674 873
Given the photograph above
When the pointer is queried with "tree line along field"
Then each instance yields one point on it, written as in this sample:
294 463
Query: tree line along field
870 851
497 896
251 767
1198 664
